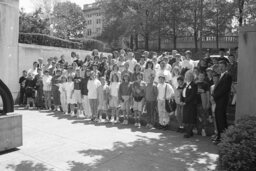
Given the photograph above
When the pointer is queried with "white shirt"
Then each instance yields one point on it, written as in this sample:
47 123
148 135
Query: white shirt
165 72
132 62
92 86
164 92
47 83
168 67
33 72
187 64
221 75
114 88
185 89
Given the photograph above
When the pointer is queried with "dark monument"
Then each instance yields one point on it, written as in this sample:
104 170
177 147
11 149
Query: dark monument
8 103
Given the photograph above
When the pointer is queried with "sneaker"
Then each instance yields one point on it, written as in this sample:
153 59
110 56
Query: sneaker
112 120
117 119
138 125
72 114
203 133
107 118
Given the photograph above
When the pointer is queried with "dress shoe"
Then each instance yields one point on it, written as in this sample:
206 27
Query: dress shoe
187 136
216 142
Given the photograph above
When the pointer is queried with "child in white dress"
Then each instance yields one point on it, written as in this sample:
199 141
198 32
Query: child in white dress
103 94
63 95
92 86
69 88
114 101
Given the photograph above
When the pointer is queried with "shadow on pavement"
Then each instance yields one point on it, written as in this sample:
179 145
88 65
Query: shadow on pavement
28 165
166 153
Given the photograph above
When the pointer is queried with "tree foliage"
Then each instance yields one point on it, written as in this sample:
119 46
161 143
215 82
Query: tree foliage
33 23
173 18
68 20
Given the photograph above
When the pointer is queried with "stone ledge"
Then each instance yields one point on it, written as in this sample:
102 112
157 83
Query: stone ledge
10 131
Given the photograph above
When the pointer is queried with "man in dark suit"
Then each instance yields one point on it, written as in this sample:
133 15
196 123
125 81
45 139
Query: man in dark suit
189 103
221 97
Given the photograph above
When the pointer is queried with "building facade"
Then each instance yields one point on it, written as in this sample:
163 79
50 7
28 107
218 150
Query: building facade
94 20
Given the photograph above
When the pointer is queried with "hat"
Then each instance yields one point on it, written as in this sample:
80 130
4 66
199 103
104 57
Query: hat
95 64
167 56
188 52
126 74
161 75
209 69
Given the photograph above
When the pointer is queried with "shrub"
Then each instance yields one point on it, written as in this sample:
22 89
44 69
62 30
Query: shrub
237 151
90 44
45 40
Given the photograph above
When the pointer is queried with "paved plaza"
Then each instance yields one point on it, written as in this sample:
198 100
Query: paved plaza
54 142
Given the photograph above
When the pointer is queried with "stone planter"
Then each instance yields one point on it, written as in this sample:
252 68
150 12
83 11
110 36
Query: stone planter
10 131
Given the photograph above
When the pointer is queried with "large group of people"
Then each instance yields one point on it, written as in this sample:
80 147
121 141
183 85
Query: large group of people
105 88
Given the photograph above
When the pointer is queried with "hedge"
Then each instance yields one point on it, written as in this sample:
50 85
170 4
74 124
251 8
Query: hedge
237 151
91 44
46 40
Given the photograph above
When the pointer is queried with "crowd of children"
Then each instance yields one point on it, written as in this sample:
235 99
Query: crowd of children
118 85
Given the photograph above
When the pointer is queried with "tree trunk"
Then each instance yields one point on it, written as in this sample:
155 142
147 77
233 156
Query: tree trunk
241 9
131 42
174 42
217 28
195 40
146 41
195 30
174 33
136 41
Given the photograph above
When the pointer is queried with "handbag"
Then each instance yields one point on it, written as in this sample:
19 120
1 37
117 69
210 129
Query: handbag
170 104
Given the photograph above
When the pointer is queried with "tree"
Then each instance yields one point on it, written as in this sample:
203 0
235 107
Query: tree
69 21
46 5
33 23
129 17
174 17
246 11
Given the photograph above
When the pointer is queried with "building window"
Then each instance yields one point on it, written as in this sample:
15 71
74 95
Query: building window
98 21
89 32
97 30
89 22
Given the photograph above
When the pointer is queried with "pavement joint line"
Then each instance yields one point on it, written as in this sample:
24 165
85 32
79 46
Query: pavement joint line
70 139
78 141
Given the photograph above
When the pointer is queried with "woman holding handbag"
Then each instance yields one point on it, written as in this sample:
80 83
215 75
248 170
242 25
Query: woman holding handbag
165 92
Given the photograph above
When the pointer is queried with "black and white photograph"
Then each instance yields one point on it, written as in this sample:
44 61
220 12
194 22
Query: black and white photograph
127 85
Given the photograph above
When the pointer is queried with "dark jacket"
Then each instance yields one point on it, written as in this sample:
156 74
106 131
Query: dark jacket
222 89
84 89
190 107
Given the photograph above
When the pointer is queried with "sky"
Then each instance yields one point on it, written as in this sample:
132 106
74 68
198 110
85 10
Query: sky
29 7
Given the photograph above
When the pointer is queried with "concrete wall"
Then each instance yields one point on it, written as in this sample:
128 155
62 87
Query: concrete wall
9 29
246 97
27 54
